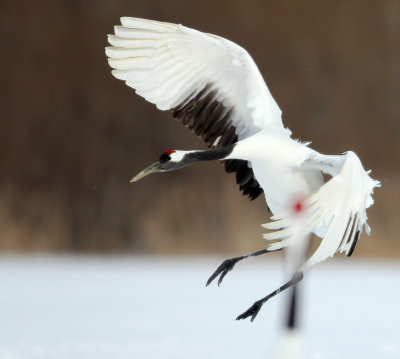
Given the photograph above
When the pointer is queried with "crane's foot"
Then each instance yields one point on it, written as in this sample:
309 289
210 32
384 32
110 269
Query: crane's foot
252 311
226 266
255 308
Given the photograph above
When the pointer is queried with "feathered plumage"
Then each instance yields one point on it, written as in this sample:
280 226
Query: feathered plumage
214 87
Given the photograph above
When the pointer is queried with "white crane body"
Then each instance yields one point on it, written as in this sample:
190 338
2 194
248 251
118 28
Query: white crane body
215 88
276 160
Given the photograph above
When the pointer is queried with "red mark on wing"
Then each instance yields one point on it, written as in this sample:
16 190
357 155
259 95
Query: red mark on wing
298 207
168 152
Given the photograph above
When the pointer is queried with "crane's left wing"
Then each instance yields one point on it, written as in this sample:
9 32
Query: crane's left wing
336 212
211 84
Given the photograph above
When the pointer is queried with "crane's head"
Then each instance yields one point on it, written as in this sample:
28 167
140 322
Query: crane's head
168 161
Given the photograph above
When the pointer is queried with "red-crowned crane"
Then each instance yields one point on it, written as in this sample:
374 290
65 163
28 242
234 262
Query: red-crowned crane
214 87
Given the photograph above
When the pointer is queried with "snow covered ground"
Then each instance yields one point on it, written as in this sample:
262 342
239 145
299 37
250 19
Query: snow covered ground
153 307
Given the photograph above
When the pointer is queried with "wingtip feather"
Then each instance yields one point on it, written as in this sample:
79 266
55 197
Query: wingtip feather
146 24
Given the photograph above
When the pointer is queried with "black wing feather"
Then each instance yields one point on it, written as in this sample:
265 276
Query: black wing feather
209 119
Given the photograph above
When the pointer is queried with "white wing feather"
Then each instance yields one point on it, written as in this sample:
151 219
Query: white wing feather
168 64
337 210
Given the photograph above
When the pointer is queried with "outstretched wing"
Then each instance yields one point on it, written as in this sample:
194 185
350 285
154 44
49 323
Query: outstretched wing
336 212
209 83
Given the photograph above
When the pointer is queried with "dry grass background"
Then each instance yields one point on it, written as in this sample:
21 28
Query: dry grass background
71 136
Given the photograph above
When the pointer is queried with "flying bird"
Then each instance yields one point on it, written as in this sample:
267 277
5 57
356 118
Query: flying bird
214 87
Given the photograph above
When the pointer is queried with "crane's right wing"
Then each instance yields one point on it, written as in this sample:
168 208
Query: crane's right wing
337 210
211 84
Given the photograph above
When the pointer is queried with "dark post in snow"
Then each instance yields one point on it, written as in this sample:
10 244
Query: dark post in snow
291 320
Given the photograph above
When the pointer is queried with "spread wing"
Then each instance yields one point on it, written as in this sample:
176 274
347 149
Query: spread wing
209 83
336 212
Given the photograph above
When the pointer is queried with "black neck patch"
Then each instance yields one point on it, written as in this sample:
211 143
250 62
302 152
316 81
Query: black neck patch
218 153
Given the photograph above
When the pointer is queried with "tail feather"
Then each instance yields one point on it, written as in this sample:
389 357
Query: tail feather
338 208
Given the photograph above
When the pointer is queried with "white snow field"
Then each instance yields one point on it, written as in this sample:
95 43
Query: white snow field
83 307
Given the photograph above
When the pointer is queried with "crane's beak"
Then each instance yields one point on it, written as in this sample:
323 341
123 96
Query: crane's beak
155 167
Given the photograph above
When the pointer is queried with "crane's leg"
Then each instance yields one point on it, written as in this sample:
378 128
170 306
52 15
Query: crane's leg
228 264
255 308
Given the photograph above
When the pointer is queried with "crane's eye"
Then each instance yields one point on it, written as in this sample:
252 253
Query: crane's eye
165 158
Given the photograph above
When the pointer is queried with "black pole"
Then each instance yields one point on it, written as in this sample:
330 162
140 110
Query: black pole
291 322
